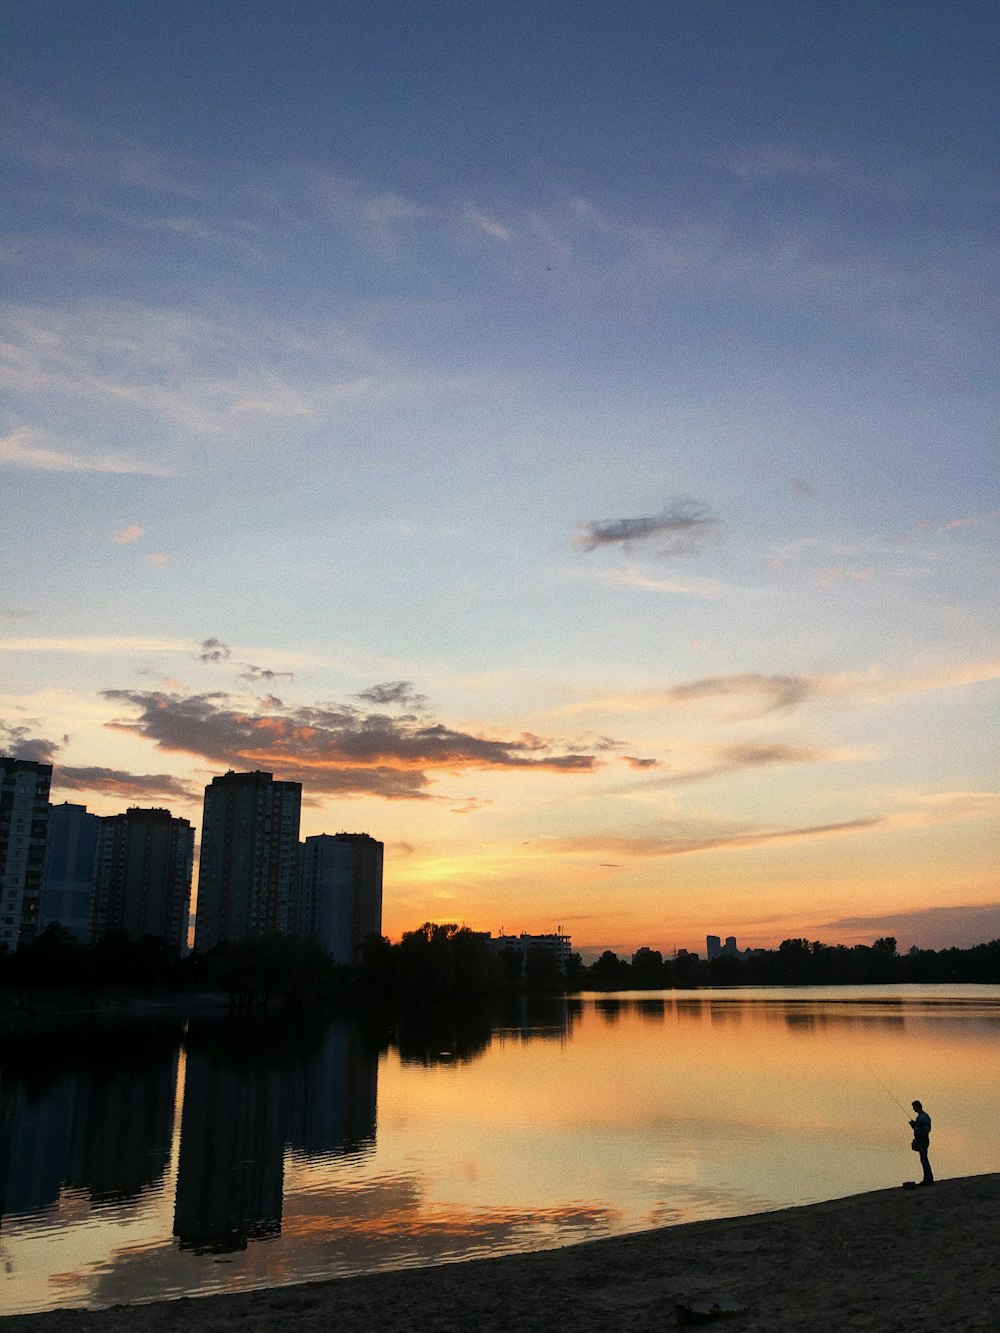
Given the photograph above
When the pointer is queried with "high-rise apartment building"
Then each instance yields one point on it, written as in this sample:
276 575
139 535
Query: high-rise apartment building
68 897
249 857
24 812
340 892
142 880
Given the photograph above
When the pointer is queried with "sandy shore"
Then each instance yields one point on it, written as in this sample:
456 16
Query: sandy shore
911 1260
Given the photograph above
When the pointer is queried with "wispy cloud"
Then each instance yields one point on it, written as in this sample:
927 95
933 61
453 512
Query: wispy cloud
769 160
739 758
34 451
683 844
928 811
770 693
209 376
119 782
973 521
95 644
632 577
754 694
678 529
125 536
333 749
93 155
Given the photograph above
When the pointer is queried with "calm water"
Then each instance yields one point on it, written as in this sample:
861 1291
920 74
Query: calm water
179 1159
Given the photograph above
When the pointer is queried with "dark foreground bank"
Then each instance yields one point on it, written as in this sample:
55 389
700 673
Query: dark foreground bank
912 1260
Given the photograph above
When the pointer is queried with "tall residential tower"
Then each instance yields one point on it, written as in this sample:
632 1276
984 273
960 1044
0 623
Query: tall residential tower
24 818
340 892
249 857
142 878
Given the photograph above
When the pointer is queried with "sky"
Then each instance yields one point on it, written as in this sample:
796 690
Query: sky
562 436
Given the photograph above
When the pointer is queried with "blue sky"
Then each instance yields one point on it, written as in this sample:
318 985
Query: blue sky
571 428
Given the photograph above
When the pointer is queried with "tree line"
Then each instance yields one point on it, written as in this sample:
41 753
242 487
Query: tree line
438 961
798 962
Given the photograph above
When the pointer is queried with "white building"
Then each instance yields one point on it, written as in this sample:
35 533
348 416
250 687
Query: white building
340 892
559 944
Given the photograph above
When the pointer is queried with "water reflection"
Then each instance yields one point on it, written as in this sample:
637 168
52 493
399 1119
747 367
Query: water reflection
84 1109
251 1090
165 1158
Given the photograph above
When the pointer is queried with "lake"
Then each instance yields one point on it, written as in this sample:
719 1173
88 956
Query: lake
169 1157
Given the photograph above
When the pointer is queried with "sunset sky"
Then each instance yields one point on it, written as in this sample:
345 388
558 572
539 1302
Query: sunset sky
563 436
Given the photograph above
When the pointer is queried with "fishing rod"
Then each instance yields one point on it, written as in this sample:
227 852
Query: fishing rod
889 1094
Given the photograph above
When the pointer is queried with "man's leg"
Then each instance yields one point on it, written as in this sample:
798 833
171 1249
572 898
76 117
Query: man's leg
928 1173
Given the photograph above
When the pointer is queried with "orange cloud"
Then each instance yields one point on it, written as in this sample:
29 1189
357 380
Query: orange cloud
336 749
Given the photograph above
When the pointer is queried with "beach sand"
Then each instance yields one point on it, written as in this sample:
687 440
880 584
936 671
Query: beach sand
912 1260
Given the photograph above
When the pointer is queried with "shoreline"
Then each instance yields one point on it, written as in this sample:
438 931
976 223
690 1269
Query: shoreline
922 1259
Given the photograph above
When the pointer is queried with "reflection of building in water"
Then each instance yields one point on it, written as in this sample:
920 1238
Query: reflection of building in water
24 815
122 1130
69 869
538 1018
35 1130
333 1097
230 1176
102 1123
143 875
340 892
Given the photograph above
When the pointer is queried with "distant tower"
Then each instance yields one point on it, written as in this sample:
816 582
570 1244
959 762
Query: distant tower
713 947
24 817
68 900
142 880
340 892
249 857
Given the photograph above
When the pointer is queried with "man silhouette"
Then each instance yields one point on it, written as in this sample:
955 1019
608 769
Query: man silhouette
921 1127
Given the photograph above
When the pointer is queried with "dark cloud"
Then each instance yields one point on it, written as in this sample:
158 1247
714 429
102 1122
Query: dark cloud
332 749
773 692
679 529
399 692
116 782
17 743
802 489
256 675
758 755
634 761
214 650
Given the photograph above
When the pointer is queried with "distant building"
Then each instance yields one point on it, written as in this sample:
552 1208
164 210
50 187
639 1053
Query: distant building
142 879
68 898
24 817
714 948
249 857
339 900
558 944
